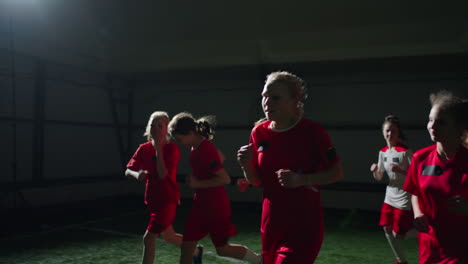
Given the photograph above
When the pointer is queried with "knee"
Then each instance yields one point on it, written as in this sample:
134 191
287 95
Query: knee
398 236
221 251
388 230
149 238
168 236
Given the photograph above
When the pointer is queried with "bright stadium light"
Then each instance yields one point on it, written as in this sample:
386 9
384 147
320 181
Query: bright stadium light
18 8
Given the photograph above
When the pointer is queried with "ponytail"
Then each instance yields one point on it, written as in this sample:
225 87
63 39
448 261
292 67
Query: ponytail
183 123
205 126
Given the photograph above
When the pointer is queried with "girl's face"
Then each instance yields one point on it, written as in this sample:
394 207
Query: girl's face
391 133
277 102
442 126
159 128
185 140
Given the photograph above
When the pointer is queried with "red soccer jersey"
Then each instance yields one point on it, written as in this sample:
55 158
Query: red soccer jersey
205 161
434 182
158 192
291 213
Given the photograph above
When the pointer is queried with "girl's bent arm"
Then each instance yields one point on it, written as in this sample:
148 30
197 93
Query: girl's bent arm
415 204
327 176
138 175
377 175
421 222
250 174
221 177
131 174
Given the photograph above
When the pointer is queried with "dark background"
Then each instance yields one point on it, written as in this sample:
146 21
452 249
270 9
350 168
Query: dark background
79 79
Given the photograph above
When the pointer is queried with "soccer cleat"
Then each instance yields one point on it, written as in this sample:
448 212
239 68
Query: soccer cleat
197 259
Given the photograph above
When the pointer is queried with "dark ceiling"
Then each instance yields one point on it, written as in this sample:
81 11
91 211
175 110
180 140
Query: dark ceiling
143 36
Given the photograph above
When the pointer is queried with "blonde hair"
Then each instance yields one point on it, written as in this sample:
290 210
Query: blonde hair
154 116
293 82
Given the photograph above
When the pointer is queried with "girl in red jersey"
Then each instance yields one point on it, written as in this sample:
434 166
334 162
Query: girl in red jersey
289 156
211 210
438 181
155 162
396 216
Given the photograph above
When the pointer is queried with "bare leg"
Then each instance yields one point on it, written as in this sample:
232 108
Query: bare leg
170 236
401 252
149 243
394 243
238 252
186 251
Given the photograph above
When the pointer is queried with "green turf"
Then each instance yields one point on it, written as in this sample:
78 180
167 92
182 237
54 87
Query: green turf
350 237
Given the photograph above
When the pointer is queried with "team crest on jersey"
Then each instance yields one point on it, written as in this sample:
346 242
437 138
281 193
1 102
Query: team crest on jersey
263 146
432 170
385 159
396 160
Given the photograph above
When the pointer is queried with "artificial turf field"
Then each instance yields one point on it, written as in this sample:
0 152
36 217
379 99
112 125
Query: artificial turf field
110 230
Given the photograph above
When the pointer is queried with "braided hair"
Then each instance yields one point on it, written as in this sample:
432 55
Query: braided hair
294 83
183 123
205 126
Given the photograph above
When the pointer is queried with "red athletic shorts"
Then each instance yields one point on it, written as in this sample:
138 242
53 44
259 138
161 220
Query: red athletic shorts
400 220
161 218
201 223
283 252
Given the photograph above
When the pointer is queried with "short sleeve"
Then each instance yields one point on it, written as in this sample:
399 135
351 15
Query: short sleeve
135 162
326 151
411 182
212 159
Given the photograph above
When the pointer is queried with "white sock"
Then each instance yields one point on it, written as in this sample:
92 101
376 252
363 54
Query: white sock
395 246
252 257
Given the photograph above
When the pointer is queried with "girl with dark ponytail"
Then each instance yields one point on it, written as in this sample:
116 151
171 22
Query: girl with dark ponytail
396 216
211 210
